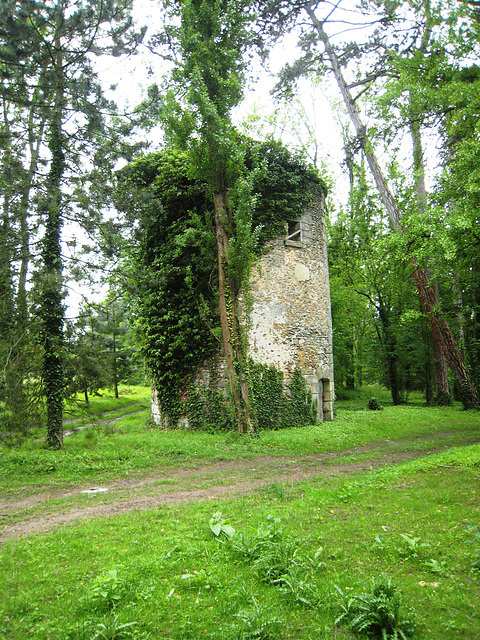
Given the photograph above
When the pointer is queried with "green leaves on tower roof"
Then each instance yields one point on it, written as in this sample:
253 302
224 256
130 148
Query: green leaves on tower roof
174 264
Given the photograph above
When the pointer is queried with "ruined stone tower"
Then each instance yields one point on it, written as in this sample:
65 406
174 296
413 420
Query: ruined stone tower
290 322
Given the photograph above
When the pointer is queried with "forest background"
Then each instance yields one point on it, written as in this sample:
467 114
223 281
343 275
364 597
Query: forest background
403 234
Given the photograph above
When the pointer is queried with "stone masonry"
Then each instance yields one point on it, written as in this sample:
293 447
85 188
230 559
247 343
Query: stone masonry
290 321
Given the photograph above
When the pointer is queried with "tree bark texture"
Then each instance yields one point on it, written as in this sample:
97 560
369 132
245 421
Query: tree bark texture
52 309
227 307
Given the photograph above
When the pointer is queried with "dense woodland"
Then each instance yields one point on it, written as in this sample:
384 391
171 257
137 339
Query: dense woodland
164 206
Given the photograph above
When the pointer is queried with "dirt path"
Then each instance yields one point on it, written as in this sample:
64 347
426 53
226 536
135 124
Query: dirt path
45 511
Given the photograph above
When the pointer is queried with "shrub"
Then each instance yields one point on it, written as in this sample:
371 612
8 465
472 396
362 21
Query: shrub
374 405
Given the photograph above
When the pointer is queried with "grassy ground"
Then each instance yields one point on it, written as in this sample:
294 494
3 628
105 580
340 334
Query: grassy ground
131 445
163 574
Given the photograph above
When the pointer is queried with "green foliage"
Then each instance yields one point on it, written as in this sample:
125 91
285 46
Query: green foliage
106 590
208 410
174 298
411 547
276 409
473 533
467 397
258 623
377 613
250 546
113 629
300 408
277 561
99 349
179 582
268 396
44 83
220 527
174 267
378 331
298 586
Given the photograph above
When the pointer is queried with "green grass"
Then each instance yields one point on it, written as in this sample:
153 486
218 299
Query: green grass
163 572
104 401
102 406
358 400
173 579
131 446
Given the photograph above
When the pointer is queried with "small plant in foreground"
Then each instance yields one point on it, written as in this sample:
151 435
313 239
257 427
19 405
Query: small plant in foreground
251 546
112 629
258 624
298 586
436 567
219 526
199 580
106 590
411 547
275 560
474 530
377 613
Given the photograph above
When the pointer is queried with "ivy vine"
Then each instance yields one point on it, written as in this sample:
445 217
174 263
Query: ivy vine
173 265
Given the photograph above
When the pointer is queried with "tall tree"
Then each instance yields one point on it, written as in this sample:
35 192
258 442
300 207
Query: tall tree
211 42
65 101
22 126
380 46
366 267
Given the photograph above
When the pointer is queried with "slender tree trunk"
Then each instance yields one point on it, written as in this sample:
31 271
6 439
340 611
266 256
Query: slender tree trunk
114 355
227 306
442 387
391 354
53 369
427 292
12 358
6 274
35 142
428 363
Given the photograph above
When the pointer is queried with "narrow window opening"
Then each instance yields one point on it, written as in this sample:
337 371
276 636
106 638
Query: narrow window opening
294 233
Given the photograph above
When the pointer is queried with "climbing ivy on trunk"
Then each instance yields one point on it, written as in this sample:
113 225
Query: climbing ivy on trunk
172 264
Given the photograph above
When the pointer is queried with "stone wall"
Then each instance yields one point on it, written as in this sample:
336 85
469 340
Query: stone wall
290 320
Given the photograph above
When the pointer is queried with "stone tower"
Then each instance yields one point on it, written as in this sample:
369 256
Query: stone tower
290 323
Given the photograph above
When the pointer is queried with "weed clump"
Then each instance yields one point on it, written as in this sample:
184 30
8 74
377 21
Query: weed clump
377 613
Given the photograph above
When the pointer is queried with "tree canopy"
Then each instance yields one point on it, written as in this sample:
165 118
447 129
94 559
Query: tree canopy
202 208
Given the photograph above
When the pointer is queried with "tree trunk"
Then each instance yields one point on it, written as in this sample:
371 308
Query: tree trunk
391 354
53 369
114 363
35 142
428 364
442 387
228 322
427 293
